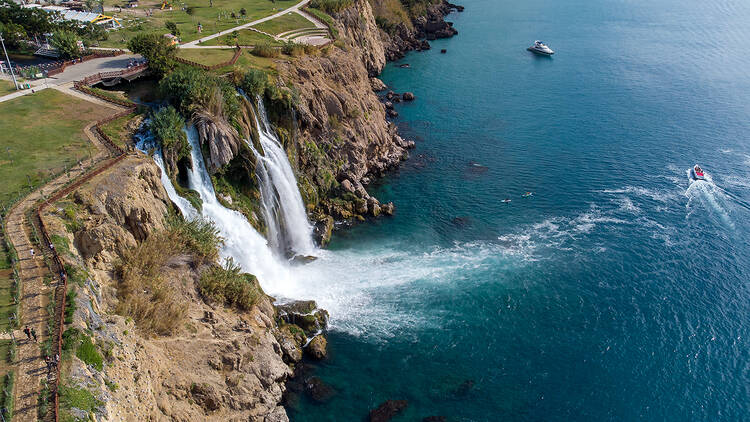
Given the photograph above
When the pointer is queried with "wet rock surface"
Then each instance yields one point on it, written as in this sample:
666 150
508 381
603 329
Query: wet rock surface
387 410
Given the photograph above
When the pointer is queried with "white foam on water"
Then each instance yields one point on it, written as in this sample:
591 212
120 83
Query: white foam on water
706 193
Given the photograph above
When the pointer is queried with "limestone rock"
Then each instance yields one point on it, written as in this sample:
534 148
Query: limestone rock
377 85
317 348
408 96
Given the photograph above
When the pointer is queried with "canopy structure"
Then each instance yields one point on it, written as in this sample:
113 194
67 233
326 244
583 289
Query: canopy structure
82 17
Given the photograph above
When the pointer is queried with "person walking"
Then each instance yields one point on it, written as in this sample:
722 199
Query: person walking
31 251
33 334
27 332
48 361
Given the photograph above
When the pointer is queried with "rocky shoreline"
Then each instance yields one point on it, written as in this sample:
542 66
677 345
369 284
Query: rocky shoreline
243 364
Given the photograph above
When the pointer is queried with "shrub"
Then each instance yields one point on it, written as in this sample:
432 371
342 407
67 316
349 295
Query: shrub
331 6
79 398
191 90
265 49
155 303
254 82
7 395
70 305
172 27
166 126
88 353
229 286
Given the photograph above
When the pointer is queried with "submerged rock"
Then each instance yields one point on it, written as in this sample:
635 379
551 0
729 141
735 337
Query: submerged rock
304 314
387 410
318 390
434 419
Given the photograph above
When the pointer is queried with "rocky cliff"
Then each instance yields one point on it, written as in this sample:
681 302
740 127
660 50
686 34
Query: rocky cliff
215 363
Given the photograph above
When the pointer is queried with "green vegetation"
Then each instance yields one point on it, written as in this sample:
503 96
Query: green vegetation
265 50
229 286
75 341
6 396
166 125
208 57
243 37
331 6
61 244
6 87
58 143
66 42
70 305
325 18
223 15
156 49
191 90
76 397
287 22
117 129
153 301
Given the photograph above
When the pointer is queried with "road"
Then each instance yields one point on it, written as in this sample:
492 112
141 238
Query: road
74 73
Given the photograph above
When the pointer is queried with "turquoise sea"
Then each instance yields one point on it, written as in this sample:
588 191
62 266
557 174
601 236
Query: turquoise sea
618 291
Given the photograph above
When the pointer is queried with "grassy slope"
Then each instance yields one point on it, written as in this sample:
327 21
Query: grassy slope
214 19
117 130
244 37
6 87
207 56
284 23
44 135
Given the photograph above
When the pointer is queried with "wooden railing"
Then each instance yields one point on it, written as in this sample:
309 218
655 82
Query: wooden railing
230 62
96 55
56 265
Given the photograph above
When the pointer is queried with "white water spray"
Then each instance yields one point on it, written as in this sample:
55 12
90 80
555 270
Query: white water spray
289 232
241 241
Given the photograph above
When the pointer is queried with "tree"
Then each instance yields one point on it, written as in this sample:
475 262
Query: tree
66 43
243 12
172 27
13 33
157 50
94 32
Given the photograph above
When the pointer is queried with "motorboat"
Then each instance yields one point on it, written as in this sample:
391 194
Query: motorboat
506 201
541 48
527 194
696 173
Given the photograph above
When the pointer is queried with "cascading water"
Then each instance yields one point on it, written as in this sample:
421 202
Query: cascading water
241 241
289 232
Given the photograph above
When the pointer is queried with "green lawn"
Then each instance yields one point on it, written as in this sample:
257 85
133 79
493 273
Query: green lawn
244 37
207 56
6 87
42 134
287 22
117 130
4 350
248 60
214 19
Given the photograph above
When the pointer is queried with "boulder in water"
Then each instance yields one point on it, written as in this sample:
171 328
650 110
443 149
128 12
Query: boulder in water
303 259
388 105
377 85
388 208
317 348
387 410
306 315
434 419
408 96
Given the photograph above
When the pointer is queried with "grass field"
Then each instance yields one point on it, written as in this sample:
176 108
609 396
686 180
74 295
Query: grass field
244 37
43 136
213 19
6 87
287 22
207 56
117 130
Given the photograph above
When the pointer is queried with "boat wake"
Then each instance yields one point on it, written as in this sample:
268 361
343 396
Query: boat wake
707 195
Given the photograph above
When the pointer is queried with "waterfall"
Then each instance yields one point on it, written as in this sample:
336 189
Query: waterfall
241 241
289 232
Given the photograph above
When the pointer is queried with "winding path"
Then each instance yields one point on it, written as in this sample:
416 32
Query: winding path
30 367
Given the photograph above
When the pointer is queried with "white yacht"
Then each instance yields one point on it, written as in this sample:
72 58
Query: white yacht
541 48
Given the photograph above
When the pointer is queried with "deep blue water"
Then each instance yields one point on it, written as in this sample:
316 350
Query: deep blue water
617 292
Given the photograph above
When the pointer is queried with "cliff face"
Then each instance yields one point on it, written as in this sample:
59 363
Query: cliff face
217 364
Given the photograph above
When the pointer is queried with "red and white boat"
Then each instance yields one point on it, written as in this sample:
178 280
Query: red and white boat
697 173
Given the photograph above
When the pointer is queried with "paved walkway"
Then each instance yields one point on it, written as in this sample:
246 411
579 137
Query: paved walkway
74 73
247 25
30 366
